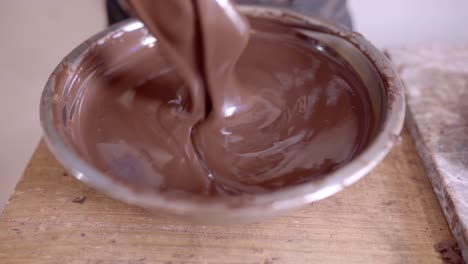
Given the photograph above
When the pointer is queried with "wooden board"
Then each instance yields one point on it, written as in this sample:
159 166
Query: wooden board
391 216
436 82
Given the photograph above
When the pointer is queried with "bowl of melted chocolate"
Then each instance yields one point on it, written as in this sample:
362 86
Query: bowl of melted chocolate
221 113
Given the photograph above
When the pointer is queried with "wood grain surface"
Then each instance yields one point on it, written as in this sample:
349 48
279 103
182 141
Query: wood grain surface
391 216
436 83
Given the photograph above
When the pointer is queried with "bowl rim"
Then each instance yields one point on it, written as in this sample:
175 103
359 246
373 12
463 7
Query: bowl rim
287 198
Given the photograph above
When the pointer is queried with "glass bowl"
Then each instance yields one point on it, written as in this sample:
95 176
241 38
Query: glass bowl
384 87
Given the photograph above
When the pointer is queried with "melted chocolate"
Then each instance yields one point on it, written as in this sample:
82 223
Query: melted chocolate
217 104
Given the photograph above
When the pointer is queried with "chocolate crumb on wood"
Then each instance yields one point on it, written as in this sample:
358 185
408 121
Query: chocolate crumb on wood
449 252
79 199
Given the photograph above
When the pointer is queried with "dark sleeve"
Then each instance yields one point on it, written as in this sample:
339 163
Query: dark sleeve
335 10
115 13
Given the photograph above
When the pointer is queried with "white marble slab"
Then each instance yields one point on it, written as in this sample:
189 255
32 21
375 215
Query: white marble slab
436 82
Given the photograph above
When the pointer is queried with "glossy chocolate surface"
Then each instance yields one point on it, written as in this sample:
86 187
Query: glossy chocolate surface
217 105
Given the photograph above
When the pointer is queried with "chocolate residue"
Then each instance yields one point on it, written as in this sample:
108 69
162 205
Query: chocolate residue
449 252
